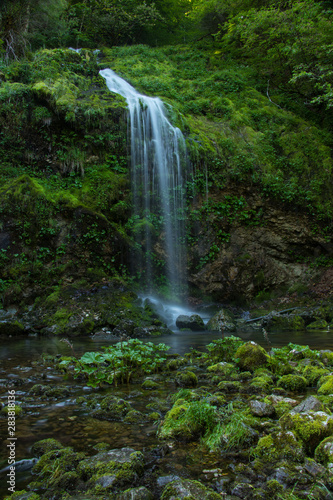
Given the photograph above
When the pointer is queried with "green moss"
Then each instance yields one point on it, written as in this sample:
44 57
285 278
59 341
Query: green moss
277 446
319 324
18 410
44 446
324 451
188 489
313 374
326 385
186 379
292 382
150 384
250 356
263 383
188 420
222 368
134 417
310 428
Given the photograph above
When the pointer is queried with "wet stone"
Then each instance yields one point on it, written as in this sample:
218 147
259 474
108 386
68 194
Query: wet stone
313 468
164 480
309 404
106 481
260 409
140 493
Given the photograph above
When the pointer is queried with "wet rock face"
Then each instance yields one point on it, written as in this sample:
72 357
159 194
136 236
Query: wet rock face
265 256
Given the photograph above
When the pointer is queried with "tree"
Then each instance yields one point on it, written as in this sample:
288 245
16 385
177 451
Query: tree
109 22
23 22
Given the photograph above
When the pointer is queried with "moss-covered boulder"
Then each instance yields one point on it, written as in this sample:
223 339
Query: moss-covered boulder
261 409
187 421
279 445
112 408
44 446
324 451
186 379
110 469
263 383
313 373
222 368
319 324
193 322
250 355
310 428
11 328
56 468
140 493
326 385
150 384
292 382
189 490
222 321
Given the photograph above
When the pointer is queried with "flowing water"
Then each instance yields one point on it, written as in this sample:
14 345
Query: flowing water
158 156
64 419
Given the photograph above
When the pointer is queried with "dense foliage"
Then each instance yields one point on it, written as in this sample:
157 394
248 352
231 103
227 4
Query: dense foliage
247 81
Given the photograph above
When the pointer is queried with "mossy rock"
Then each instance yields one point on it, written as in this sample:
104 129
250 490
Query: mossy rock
186 379
319 324
314 373
189 490
174 364
326 385
250 355
140 493
134 417
44 446
262 383
221 321
193 322
310 427
11 328
222 368
324 451
18 410
62 460
112 468
292 382
112 408
230 386
279 445
150 384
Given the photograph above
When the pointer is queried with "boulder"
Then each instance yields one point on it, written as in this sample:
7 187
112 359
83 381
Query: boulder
250 356
222 321
194 322
260 409
185 488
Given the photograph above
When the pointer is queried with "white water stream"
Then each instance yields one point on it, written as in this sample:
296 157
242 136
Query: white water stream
158 153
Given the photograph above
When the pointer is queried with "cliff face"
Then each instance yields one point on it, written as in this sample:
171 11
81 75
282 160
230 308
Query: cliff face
273 256
65 200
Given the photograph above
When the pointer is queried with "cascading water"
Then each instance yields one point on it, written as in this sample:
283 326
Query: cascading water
158 155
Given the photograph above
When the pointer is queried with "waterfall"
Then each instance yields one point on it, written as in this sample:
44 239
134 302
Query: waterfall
157 152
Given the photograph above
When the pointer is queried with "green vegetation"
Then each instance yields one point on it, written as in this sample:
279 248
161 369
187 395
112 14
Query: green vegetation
248 82
120 362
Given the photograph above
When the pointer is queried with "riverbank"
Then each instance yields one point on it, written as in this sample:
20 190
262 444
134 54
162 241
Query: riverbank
243 421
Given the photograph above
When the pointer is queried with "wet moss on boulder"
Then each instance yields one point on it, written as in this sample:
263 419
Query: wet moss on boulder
277 446
186 379
292 382
44 446
250 356
310 428
187 489
324 451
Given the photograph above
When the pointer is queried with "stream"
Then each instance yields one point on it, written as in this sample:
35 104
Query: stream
63 419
